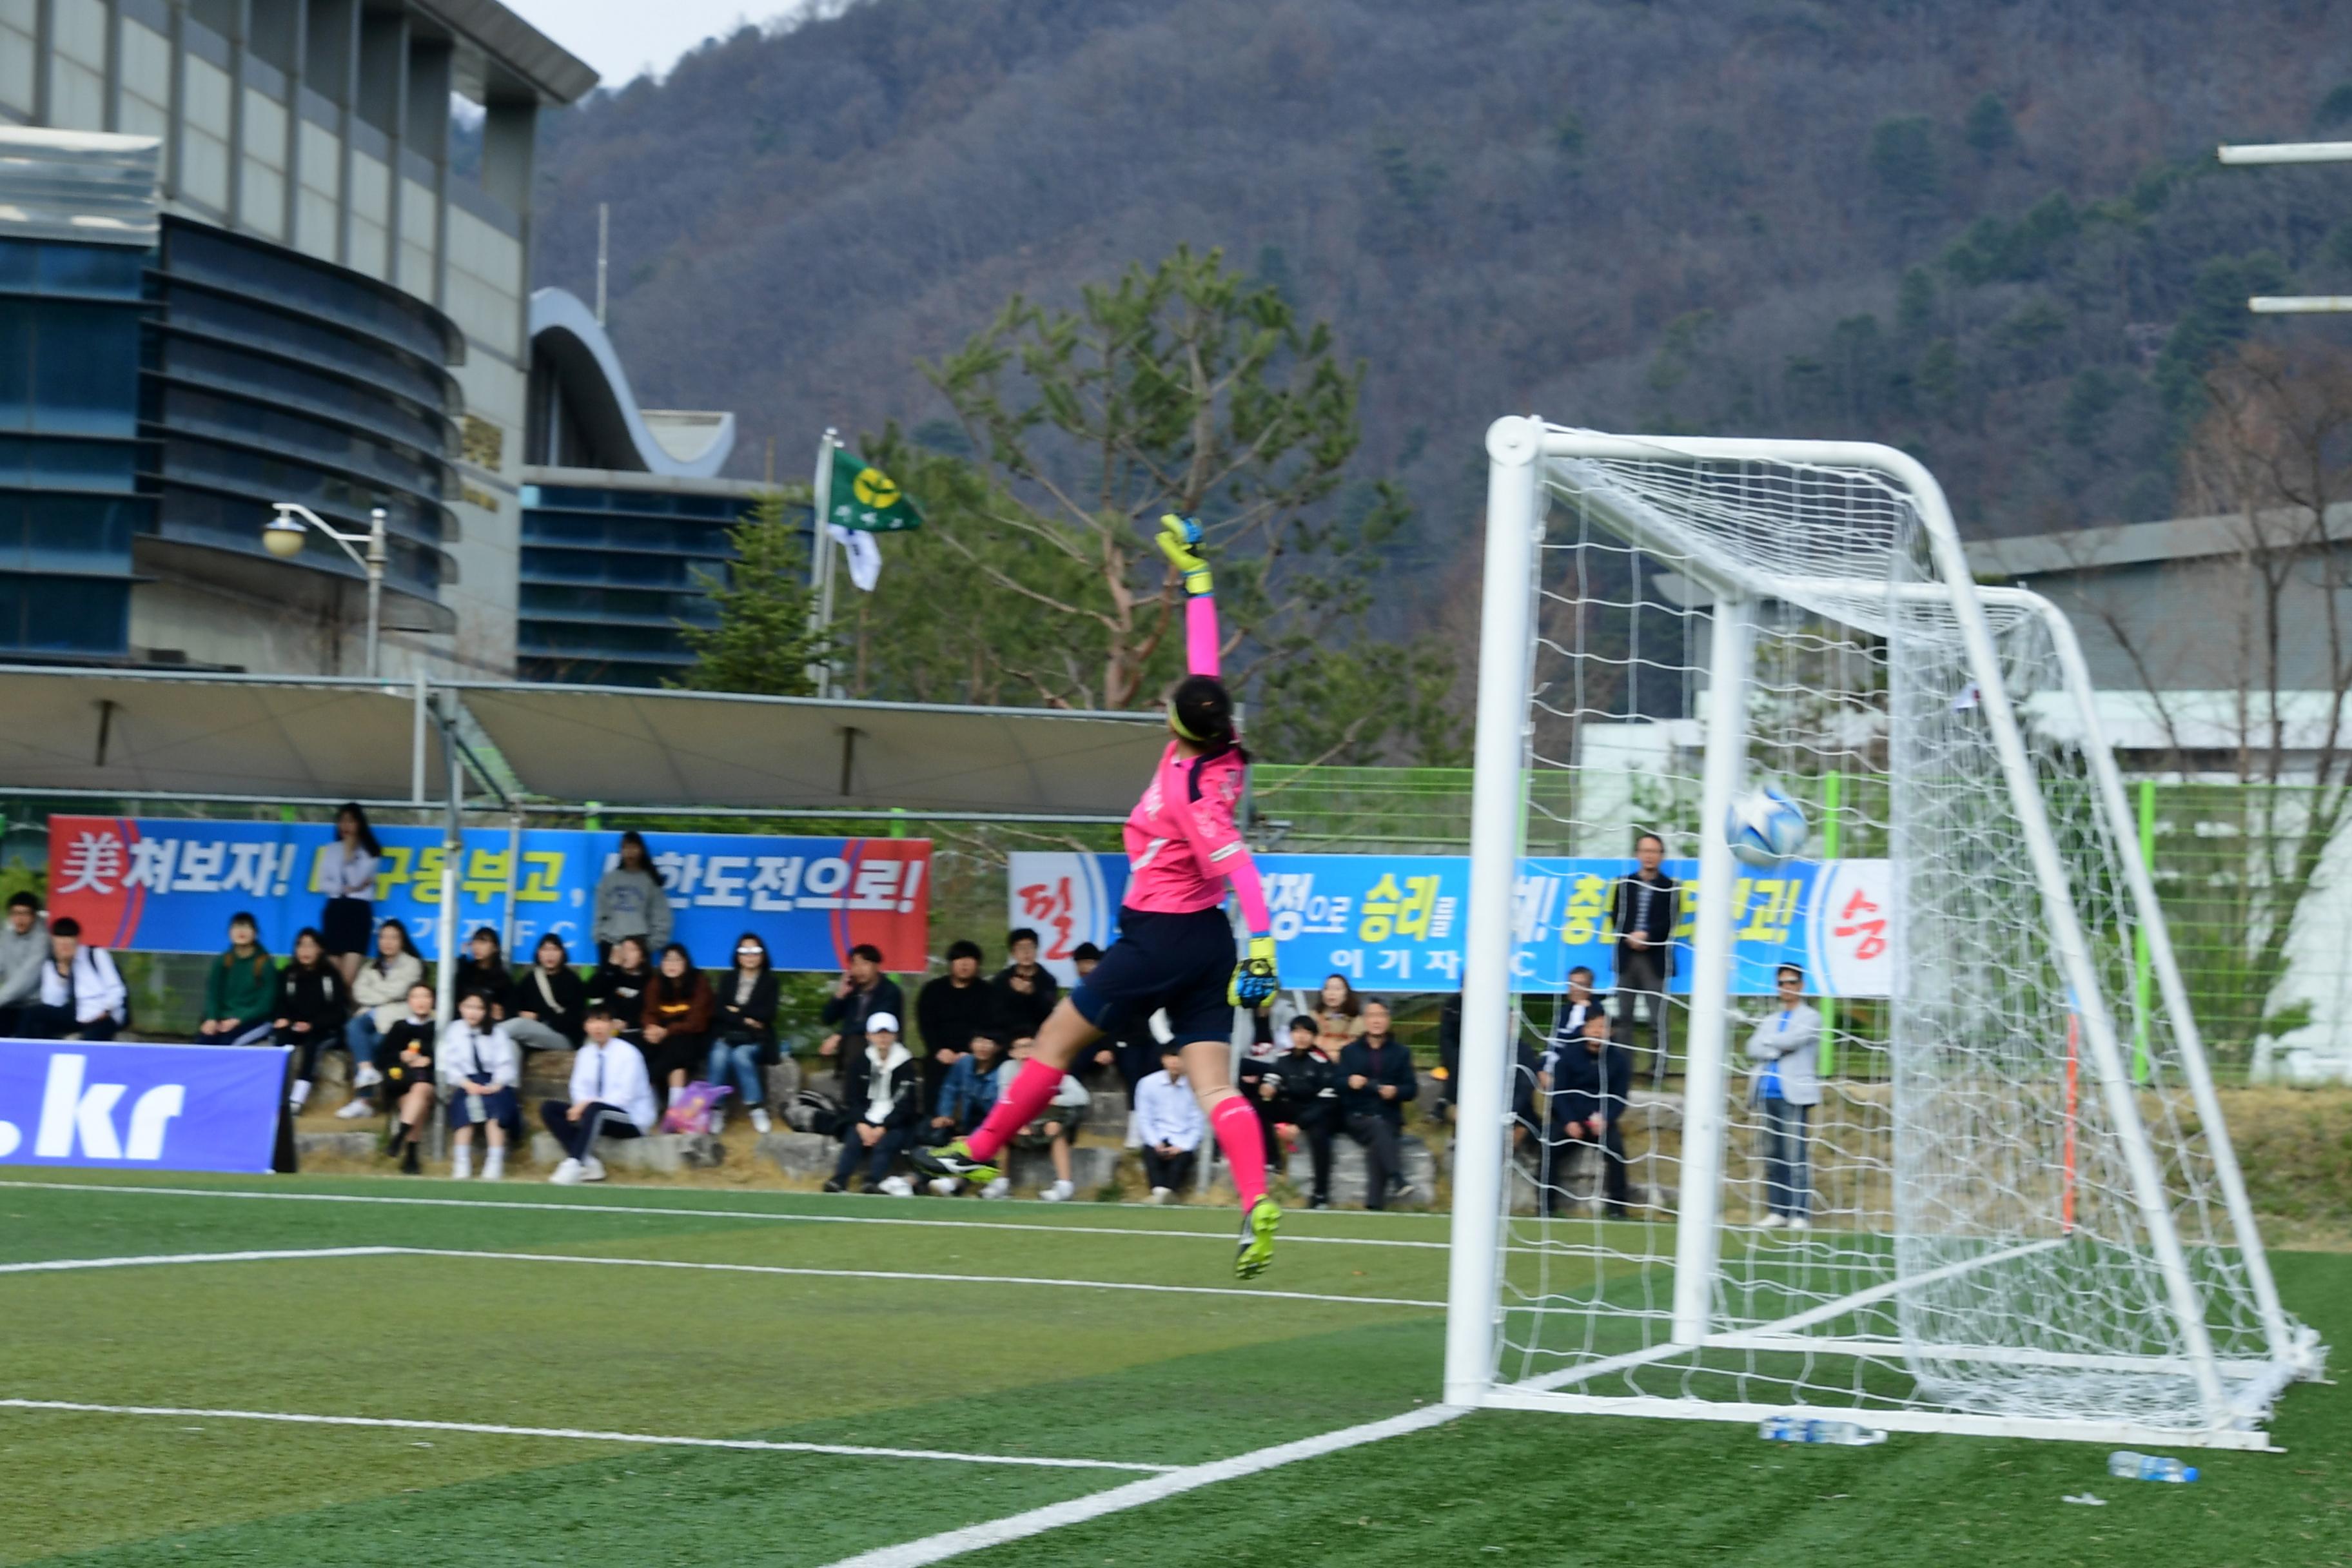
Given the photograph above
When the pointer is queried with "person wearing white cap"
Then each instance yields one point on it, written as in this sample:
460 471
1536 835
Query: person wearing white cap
885 1105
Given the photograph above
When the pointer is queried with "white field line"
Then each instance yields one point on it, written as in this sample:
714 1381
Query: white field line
656 1439
1135 1494
526 1204
58 1264
928 1279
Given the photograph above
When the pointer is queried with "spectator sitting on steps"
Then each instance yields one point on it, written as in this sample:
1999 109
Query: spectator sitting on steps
619 985
743 1033
966 1097
1590 1088
611 1097
479 1062
550 1000
1168 1126
1025 989
405 1057
82 996
1056 1130
314 1008
1376 1081
886 1111
381 993
483 972
24 943
949 1010
862 991
240 989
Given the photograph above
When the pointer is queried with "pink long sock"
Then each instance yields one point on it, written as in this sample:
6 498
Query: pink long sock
1242 1138
1033 1090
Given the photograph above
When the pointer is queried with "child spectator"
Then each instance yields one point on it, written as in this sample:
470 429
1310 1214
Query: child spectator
886 1113
619 985
677 1020
24 943
949 1011
1787 1084
381 993
1376 1081
1168 1123
1339 1016
1055 1131
313 1009
404 1054
1025 989
611 1097
483 972
550 1000
966 1097
478 1063
743 1042
82 997
630 901
1590 1088
862 991
240 989
1302 1091
346 874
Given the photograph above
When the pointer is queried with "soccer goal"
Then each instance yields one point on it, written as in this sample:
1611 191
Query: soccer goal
2025 1216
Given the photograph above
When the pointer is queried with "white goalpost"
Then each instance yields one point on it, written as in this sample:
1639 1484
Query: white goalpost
2025 1216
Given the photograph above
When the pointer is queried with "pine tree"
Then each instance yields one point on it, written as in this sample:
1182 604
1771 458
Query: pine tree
763 643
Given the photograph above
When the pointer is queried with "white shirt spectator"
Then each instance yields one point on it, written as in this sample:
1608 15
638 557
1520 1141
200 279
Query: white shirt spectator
96 989
1167 1112
615 1074
346 871
466 1052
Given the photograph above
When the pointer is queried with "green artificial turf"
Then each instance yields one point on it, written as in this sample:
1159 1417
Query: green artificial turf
989 1367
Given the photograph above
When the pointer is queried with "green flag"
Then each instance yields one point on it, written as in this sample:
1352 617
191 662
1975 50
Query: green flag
865 498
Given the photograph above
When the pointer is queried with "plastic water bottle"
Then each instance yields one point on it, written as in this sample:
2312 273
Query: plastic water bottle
2133 1467
1803 1430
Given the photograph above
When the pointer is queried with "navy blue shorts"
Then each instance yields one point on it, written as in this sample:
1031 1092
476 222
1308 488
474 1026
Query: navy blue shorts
1182 963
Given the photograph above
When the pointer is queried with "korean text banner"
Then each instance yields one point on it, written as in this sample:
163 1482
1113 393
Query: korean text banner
169 884
149 1108
1394 923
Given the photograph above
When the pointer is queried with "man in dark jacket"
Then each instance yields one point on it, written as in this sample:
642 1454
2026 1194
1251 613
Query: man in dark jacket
949 1011
1590 1082
1301 1087
1025 989
862 992
1376 1081
1643 912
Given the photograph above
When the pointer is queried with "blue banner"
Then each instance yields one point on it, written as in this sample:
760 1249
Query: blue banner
1394 923
140 1108
168 885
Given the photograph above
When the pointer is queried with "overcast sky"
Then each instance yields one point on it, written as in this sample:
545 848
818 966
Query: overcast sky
621 38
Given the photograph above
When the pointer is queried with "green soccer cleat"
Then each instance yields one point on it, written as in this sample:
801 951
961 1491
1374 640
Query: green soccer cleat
955 1159
1257 1239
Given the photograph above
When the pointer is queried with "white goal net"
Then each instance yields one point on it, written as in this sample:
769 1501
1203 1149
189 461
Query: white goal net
2014 1207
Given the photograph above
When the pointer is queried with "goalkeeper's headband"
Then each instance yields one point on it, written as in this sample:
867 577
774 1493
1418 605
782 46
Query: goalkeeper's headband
1177 724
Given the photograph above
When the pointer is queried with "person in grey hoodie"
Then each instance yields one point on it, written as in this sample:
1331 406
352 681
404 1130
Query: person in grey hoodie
1785 1054
630 901
24 942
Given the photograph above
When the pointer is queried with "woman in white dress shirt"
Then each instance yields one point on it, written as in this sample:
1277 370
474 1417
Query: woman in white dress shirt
347 875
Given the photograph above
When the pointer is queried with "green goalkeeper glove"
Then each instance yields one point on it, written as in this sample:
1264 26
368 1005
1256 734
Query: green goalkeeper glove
1180 541
1254 982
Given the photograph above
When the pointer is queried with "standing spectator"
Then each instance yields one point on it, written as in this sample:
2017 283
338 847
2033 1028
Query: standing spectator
619 985
381 994
1786 1085
483 972
743 1036
886 1109
549 1000
1376 1081
1449 1054
346 873
630 901
478 1063
240 989
1302 1089
677 1020
1339 1016
1056 1128
862 991
1170 1126
966 1097
404 1054
1590 1088
82 997
949 1010
1643 912
611 1097
24 943
1025 989
314 1008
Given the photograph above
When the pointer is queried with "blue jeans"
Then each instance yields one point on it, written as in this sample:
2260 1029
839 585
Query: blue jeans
1787 1183
738 1064
361 1037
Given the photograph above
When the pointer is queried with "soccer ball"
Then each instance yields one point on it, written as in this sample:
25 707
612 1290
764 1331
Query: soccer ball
1765 827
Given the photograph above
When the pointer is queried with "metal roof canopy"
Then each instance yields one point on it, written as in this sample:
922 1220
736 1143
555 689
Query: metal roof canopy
166 735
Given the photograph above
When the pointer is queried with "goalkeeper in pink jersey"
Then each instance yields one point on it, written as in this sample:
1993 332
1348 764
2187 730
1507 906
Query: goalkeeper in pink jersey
1175 946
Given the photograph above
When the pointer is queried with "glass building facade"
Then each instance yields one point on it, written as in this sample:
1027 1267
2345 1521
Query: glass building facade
609 574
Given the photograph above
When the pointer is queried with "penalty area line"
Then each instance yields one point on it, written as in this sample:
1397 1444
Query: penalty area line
1135 1494
654 1439
60 1265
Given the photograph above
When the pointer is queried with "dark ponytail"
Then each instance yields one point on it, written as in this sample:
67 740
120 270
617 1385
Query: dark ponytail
1203 711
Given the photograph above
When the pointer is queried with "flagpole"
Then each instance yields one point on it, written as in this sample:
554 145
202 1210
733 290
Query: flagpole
821 559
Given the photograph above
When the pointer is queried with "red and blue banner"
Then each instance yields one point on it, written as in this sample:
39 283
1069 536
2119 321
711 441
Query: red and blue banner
170 885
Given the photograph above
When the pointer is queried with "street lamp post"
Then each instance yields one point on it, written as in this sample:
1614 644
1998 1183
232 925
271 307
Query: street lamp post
282 537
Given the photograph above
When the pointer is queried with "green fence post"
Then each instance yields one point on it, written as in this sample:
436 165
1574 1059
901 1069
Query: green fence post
2141 971
1833 786
589 817
898 822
